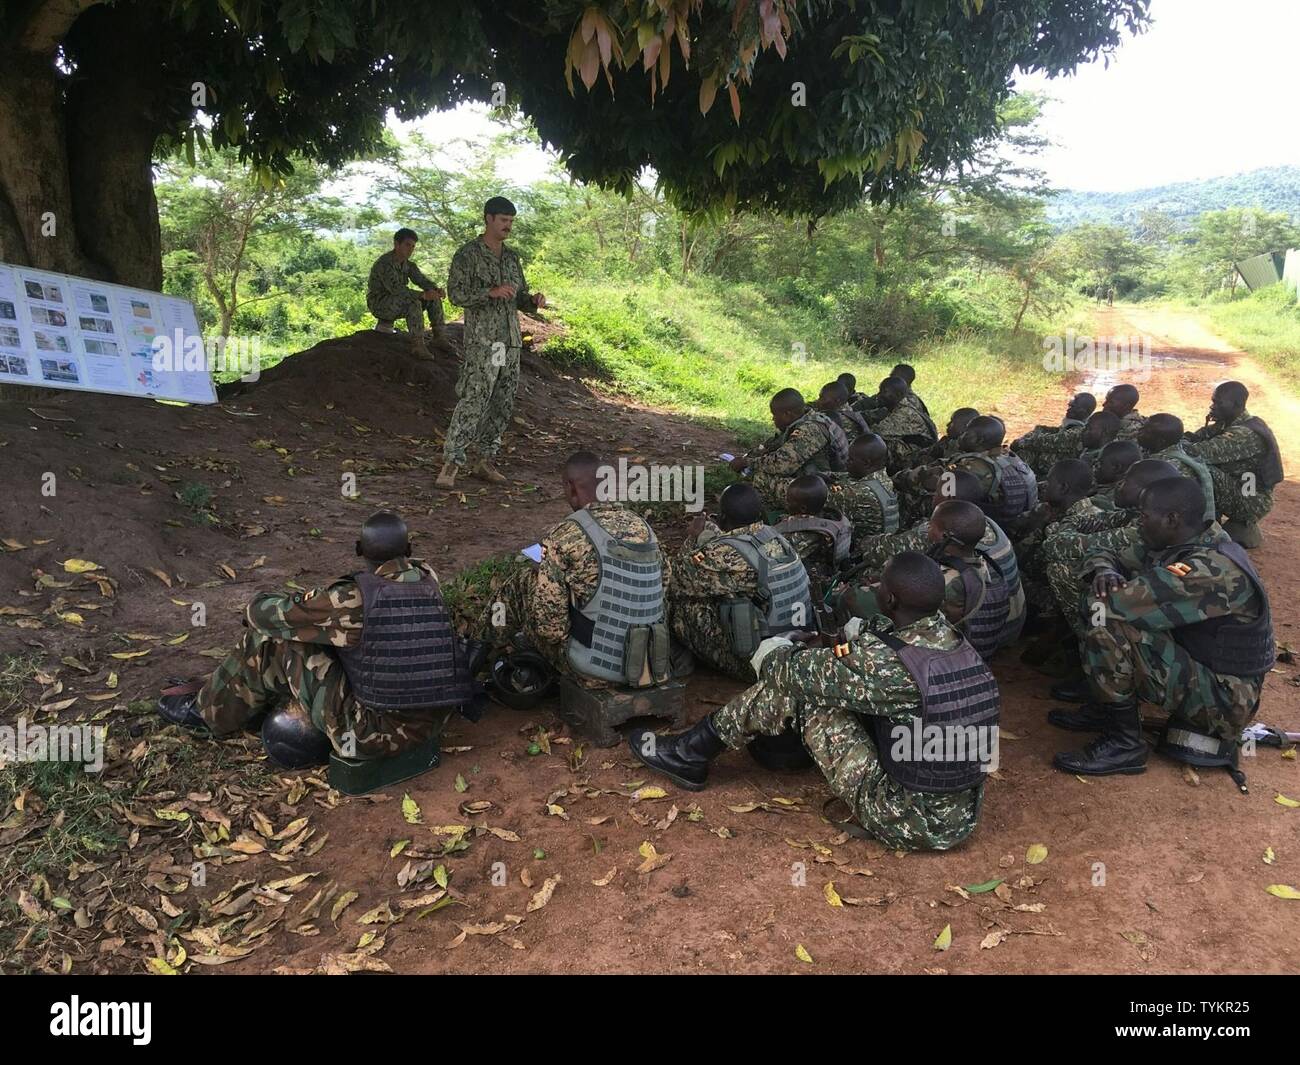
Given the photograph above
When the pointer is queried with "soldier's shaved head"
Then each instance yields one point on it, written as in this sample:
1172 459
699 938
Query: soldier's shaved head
1229 401
849 381
739 505
1160 431
1115 458
1082 405
383 536
960 419
1120 400
867 454
984 433
835 393
806 495
581 470
1173 511
958 484
892 391
957 521
913 581
904 371
1136 478
787 407
1067 481
1100 429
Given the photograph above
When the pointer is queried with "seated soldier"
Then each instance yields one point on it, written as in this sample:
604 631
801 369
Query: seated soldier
735 583
1064 508
806 441
389 297
833 402
1112 461
857 707
905 428
1244 460
977 597
368 667
1063 559
1185 625
908 374
1161 437
1122 401
598 590
915 485
1010 487
850 383
864 493
873 552
821 534
1099 430
1044 444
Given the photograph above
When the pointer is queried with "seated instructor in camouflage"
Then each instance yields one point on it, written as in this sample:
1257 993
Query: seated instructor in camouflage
736 582
857 707
806 441
389 295
368 667
602 575
1182 621
1244 460
487 279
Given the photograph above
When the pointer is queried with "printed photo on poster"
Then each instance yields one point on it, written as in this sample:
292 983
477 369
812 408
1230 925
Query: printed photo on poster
14 365
46 341
8 312
46 292
49 316
9 338
100 347
63 370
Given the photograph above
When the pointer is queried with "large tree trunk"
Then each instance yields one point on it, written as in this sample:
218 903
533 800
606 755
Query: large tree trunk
76 188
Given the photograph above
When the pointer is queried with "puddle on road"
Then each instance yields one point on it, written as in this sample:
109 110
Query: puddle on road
1140 366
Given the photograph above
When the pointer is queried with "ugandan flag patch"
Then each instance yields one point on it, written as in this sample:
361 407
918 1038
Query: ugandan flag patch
841 650
1179 569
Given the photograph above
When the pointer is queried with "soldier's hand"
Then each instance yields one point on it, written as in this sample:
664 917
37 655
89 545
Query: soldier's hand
539 301
739 463
1105 582
502 292
431 294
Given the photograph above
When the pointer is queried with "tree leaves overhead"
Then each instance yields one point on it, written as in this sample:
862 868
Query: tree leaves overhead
824 101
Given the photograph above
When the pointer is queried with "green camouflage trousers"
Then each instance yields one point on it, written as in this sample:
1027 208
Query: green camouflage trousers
1123 662
1067 592
264 673
845 752
1229 498
407 305
485 398
699 627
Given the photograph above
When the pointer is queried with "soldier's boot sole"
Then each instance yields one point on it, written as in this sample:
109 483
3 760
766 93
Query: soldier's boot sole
1246 534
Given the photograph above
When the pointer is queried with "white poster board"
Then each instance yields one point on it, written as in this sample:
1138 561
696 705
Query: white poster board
59 331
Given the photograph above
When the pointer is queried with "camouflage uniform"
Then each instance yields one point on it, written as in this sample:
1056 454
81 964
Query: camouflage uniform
1194 468
852 498
906 432
705 573
825 697
972 462
847 419
804 447
1032 551
1231 451
285 656
389 298
489 371
537 599
1064 555
818 554
1043 451
1129 425
1134 654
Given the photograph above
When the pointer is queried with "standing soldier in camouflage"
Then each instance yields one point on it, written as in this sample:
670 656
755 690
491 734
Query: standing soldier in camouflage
806 441
1244 460
1161 437
389 297
721 570
857 706
555 605
864 492
1184 625
306 659
486 278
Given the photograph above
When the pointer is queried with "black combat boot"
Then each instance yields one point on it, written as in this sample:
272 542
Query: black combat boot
1073 689
180 706
683 758
1090 717
1119 749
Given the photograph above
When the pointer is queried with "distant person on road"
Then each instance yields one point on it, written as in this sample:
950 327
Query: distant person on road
487 279
389 297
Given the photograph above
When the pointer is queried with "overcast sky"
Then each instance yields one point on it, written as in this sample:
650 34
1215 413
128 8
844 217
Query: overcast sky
1213 88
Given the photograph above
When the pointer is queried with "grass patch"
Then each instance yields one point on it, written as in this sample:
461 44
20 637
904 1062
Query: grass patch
1266 324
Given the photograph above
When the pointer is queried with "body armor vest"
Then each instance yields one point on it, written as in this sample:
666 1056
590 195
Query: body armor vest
1230 645
1002 555
988 606
783 593
629 595
1268 467
839 531
888 505
1015 488
959 696
859 423
409 657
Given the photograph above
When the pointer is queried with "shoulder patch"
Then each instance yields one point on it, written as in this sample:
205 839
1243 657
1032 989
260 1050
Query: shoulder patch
1179 569
837 488
842 650
698 558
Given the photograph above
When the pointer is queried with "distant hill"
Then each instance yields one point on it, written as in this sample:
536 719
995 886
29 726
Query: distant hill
1274 188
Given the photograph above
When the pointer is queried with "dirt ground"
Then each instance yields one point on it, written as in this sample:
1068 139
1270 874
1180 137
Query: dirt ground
1163 872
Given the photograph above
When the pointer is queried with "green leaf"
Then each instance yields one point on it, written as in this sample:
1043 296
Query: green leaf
988 885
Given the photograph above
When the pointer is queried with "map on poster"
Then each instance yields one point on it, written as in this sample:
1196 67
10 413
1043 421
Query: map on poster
58 331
